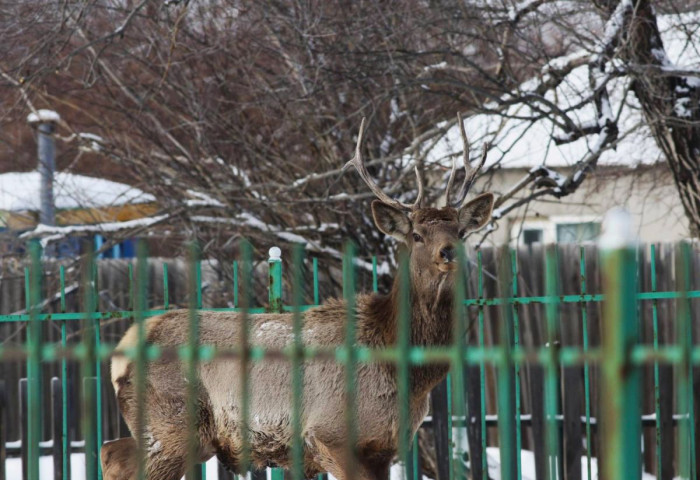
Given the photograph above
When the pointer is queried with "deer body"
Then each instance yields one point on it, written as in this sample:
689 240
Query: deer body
429 235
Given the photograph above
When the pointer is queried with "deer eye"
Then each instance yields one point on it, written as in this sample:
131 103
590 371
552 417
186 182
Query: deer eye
417 238
462 233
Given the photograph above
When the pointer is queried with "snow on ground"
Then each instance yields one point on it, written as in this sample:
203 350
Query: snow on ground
524 141
21 192
14 467
77 462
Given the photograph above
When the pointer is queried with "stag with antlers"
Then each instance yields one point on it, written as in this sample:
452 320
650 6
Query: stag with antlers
429 236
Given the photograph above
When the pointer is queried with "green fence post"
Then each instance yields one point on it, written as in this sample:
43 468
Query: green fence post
275 305
275 285
64 380
620 379
351 355
34 342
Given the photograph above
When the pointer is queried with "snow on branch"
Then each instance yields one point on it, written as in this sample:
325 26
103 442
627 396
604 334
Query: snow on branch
48 233
248 220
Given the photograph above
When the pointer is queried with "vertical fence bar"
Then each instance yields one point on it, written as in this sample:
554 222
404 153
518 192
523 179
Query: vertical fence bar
57 428
482 366
139 289
34 342
351 359
551 404
586 366
98 370
516 344
459 333
88 368
374 274
247 271
4 404
64 379
657 392
166 289
195 298
620 379
506 378
235 284
315 266
275 306
131 286
684 381
297 363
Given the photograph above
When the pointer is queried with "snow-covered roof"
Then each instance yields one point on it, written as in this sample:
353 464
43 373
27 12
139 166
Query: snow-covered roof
21 192
524 143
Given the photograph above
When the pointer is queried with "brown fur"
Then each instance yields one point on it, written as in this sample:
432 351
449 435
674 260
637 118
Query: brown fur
323 403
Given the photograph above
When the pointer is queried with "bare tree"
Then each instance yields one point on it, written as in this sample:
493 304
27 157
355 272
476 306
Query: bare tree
238 117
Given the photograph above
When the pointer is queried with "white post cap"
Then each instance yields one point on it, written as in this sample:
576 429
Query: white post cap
275 254
618 230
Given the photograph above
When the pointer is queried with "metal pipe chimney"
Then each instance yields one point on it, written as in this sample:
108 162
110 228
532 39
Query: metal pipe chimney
45 122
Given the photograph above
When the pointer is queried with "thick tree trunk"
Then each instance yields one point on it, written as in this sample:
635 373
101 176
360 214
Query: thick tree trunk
670 102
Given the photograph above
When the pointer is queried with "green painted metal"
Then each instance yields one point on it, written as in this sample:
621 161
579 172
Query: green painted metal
620 357
586 366
621 379
510 466
350 353
275 285
458 409
374 274
403 366
166 290
88 364
275 305
140 361
482 365
235 283
516 378
195 299
684 378
315 271
657 391
34 339
297 364
245 353
551 365
64 379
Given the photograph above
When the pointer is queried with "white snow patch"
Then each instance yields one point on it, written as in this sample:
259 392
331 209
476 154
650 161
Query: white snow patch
42 116
520 138
21 192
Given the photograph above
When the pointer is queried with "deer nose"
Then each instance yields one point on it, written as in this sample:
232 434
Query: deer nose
447 253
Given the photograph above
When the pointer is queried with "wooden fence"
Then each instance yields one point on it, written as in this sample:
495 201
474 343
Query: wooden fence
580 325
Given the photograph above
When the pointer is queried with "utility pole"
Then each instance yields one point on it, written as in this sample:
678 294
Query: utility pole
45 122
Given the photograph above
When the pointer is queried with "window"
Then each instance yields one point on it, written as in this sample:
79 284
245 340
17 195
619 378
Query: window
532 235
577 232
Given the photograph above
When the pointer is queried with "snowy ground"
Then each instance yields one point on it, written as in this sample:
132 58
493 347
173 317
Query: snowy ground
14 467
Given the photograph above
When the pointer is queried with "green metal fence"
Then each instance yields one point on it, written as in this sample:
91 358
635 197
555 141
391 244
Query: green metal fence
620 358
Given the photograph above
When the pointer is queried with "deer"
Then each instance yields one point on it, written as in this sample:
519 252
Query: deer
429 236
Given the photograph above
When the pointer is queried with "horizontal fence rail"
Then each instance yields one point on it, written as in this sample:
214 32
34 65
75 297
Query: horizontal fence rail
550 373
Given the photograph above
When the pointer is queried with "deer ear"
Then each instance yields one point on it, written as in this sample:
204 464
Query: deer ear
476 213
390 220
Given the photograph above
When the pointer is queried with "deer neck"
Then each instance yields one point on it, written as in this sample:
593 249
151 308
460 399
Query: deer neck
431 325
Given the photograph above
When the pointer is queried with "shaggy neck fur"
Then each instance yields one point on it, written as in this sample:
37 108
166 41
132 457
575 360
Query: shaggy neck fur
431 325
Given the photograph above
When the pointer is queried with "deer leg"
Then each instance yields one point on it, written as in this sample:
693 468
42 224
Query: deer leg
334 460
119 459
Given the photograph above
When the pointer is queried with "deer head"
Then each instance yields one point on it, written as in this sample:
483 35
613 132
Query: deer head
430 234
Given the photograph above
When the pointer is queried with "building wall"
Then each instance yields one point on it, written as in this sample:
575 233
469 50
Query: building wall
647 192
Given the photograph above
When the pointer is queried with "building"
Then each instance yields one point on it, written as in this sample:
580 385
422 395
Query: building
78 200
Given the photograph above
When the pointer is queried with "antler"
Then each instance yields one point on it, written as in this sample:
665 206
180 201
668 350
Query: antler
359 164
470 172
